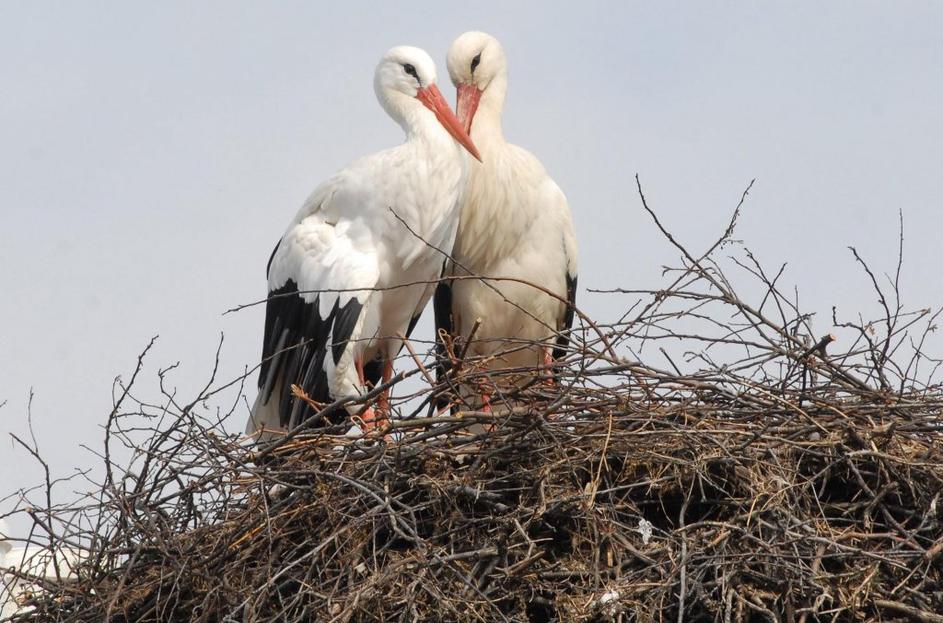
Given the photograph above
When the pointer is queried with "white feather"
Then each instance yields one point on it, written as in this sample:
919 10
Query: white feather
34 561
349 239
515 223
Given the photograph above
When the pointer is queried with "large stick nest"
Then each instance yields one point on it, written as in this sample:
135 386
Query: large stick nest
785 484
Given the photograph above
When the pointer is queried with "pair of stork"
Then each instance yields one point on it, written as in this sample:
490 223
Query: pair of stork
351 275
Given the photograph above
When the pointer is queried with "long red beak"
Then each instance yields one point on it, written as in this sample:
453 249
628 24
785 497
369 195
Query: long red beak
467 104
432 98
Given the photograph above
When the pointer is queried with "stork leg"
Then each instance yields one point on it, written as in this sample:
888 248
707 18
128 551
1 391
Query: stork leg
369 416
549 379
383 402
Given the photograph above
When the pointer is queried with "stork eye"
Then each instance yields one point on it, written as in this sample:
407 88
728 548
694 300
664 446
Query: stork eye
475 62
411 71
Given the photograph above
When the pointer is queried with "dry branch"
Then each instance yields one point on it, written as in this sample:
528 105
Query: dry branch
763 477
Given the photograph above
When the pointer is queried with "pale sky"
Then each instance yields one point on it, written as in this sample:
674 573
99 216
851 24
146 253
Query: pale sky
151 155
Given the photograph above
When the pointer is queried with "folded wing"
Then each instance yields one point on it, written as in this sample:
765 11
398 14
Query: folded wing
320 284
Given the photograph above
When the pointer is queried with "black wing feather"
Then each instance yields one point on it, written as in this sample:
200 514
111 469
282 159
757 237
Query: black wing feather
563 339
412 323
345 319
442 308
294 348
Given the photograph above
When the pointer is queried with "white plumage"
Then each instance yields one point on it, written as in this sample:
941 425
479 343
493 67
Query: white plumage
32 561
515 223
336 308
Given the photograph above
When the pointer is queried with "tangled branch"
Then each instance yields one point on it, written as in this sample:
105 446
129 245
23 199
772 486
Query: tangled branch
765 472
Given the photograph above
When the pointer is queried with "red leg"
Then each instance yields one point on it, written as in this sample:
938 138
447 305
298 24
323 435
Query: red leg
358 362
368 416
548 364
384 401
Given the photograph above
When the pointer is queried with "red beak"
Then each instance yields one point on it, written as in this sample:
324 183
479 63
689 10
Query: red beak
467 104
432 98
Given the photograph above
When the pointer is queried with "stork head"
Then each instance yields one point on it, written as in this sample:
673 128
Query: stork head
476 62
405 83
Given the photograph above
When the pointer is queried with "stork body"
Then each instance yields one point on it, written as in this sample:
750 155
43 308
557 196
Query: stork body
339 303
19 565
515 226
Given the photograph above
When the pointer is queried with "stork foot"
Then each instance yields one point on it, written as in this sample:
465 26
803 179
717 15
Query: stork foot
547 371
373 419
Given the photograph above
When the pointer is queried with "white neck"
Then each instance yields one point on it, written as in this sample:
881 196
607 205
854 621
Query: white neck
486 128
418 122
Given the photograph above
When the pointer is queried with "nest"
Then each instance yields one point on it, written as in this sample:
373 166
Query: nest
787 483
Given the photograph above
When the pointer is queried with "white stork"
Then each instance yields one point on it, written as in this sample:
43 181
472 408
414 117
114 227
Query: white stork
515 223
338 304
32 561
